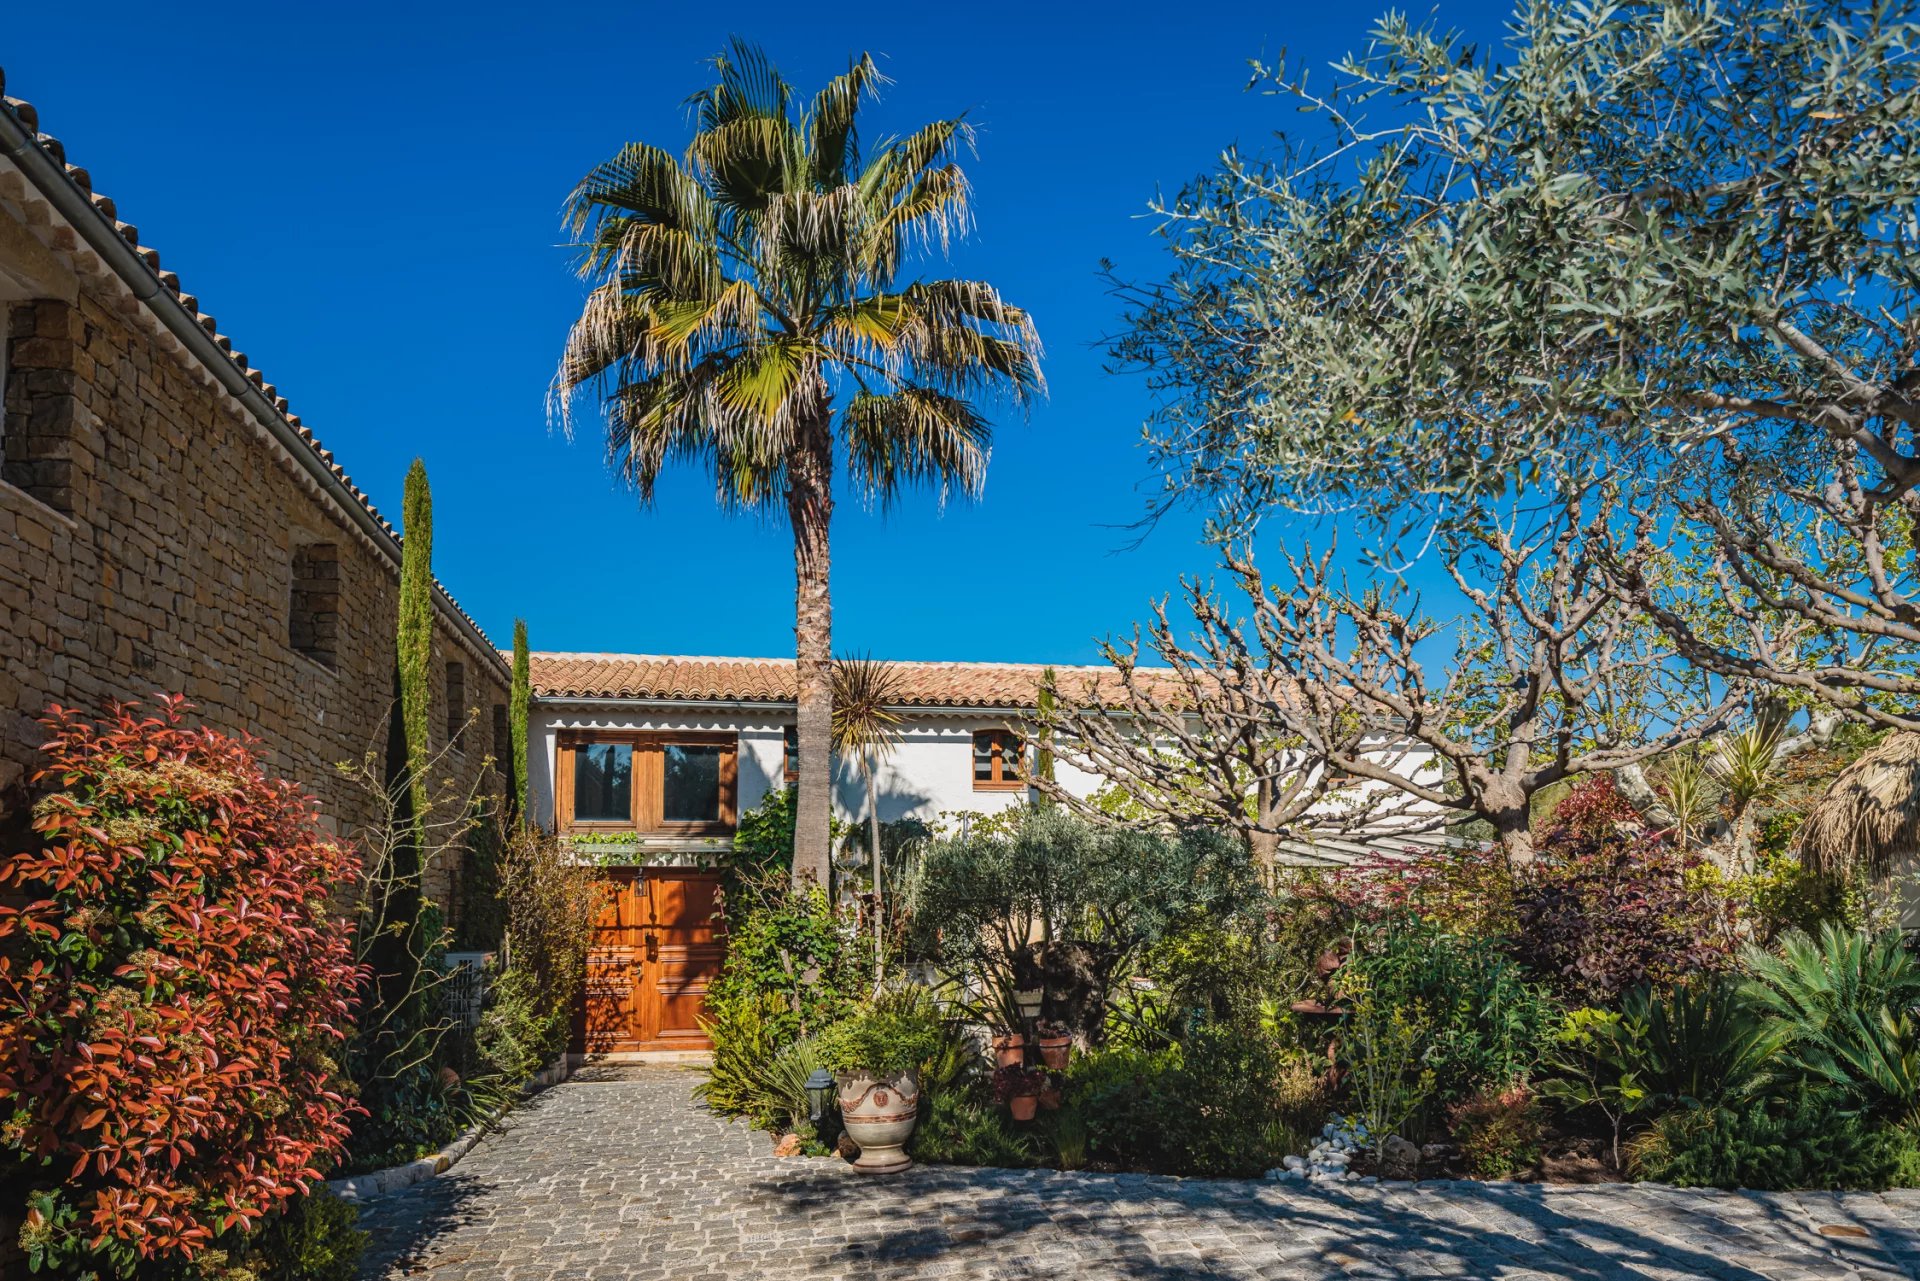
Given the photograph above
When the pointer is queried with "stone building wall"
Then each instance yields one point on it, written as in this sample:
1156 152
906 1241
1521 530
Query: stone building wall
154 538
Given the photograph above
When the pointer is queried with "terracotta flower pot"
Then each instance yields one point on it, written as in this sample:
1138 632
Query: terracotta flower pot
1055 1050
1050 1098
1009 1050
1022 1106
878 1113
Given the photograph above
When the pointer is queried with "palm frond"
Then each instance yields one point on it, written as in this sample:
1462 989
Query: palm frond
915 436
833 135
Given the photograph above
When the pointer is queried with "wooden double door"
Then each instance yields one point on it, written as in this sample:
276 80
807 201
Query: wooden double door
657 945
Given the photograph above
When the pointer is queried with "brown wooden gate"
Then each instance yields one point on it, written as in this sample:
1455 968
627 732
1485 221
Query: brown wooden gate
656 946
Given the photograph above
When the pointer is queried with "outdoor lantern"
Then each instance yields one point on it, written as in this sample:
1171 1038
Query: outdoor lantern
819 1088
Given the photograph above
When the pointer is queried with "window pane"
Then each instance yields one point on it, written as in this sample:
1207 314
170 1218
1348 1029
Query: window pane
791 736
983 757
691 790
603 783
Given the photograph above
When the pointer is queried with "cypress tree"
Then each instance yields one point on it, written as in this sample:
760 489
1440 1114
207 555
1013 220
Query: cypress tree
519 700
415 646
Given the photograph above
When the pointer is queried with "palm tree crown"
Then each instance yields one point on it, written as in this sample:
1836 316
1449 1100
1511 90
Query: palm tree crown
742 290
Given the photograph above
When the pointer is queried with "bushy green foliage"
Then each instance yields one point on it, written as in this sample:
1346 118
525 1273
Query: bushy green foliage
1483 1020
1810 1140
798 949
318 1238
1225 1101
881 1042
966 1127
521 1029
1841 1009
1047 900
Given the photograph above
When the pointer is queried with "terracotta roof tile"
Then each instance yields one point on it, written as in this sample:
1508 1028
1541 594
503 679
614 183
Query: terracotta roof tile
29 118
676 678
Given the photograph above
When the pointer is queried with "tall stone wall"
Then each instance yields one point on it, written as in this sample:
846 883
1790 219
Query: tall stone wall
153 539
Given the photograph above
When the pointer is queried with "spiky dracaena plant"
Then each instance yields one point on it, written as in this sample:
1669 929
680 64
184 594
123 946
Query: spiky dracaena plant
519 698
415 640
1842 1010
866 728
748 313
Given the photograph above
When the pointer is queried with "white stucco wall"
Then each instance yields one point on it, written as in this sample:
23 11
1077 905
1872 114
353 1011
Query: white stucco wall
930 773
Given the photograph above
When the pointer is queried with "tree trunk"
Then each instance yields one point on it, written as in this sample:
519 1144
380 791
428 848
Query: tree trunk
1516 836
1263 848
810 510
879 873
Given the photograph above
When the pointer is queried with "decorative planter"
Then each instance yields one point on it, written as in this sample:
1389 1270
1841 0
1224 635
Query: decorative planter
1023 1106
879 1113
1050 1098
1055 1050
1009 1050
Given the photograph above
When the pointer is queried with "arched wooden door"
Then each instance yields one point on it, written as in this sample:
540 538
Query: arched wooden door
657 945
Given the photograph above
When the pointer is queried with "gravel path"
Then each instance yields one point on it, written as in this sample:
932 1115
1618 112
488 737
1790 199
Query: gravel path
618 1176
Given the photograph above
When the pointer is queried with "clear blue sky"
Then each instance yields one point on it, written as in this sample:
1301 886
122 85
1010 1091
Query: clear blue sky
367 197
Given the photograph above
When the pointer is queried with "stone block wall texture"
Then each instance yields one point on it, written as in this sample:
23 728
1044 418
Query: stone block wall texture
151 541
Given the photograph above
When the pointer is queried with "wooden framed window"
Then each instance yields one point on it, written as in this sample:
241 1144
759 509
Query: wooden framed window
457 705
997 761
790 753
665 783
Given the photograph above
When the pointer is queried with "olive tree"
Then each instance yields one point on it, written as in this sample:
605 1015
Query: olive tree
1660 242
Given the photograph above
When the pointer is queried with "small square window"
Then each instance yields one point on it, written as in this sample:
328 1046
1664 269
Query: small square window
997 764
790 752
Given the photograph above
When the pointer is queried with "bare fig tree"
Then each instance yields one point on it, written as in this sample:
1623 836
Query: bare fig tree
1545 674
1190 738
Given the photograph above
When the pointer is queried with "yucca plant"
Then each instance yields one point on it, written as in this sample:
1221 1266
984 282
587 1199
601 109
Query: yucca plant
1841 1009
748 313
867 728
1686 787
1746 766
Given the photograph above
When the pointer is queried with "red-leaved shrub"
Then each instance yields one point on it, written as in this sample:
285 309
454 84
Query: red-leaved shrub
1607 906
173 991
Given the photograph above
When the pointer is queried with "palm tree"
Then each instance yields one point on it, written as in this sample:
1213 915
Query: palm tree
866 728
747 312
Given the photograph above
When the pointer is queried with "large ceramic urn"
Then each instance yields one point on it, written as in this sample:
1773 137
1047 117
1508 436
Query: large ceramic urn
879 1112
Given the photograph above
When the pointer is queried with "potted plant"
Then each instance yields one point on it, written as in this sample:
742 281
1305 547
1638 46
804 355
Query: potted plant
1009 1049
1056 1043
1019 1088
876 1058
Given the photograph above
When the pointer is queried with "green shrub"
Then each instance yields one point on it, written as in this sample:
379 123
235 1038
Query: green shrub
317 1239
745 1076
882 1041
796 949
1226 1101
521 1030
1810 1141
1040 898
1499 1131
961 1127
1841 1010
1483 1022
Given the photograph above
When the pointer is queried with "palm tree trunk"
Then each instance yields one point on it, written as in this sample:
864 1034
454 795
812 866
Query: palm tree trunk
879 872
810 511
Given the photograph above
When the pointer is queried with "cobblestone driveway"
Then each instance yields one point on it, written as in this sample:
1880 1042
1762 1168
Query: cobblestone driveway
616 1175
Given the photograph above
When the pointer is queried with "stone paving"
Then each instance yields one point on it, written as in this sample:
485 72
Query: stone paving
618 1176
